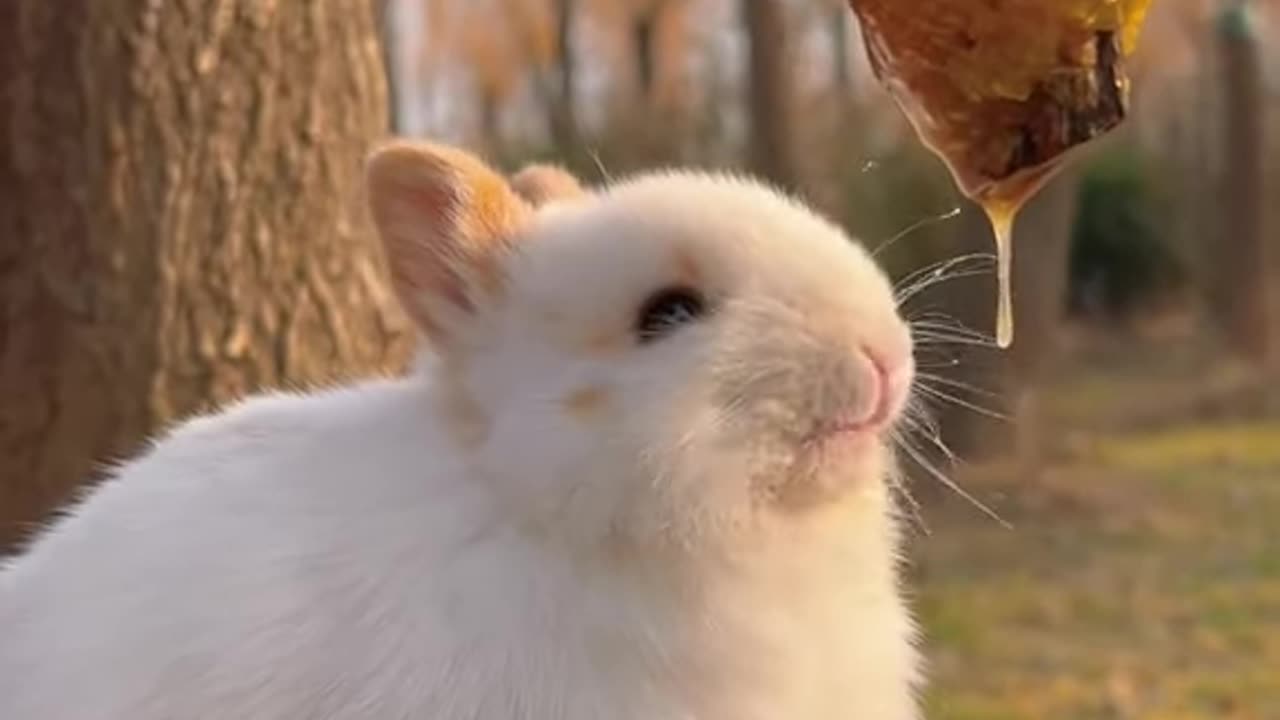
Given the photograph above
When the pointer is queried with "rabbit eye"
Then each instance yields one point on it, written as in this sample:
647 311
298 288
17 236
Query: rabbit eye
666 310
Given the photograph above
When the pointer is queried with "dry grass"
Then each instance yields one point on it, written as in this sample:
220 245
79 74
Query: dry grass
1142 578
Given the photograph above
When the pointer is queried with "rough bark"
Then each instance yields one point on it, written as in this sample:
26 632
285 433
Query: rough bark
770 96
1240 252
182 222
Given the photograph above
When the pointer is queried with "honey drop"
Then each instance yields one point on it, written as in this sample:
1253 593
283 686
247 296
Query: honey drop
1002 226
1002 201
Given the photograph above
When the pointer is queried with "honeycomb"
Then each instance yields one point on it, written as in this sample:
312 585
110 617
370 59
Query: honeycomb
1001 90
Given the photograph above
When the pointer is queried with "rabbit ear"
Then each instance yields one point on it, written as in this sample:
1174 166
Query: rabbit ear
539 184
446 220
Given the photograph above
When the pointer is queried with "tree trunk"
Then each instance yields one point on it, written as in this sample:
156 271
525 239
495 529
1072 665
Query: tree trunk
385 16
1042 247
652 119
564 114
841 70
1241 251
490 120
182 221
772 150
1042 241
644 30
971 302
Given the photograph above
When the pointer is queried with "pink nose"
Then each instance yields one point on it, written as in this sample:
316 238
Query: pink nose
887 383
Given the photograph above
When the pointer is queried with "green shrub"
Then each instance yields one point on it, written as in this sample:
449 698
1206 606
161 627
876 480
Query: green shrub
1122 253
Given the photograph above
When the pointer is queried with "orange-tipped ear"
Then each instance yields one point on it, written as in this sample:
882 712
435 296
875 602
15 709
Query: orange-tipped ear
446 220
540 184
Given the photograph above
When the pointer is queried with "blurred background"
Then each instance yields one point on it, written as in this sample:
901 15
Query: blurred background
180 224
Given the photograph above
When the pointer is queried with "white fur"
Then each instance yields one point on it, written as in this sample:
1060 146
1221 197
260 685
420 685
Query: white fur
346 554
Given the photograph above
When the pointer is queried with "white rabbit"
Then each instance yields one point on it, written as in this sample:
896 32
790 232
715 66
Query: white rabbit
640 473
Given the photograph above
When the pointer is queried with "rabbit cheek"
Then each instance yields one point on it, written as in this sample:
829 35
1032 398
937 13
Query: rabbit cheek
605 343
586 404
465 419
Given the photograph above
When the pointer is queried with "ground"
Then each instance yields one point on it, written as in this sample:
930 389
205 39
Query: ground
1141 578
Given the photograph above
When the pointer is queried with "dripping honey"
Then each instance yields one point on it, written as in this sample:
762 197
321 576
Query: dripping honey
1003 93
1002 201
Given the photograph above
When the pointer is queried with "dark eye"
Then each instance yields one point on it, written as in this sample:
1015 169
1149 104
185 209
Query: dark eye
667 310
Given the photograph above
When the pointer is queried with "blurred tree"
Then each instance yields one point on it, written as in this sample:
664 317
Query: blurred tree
770 94
839 26
518 41
659 44
959 358
181 221
488 54
1241 253
1041 264
564 106
1041 248
387 40
404 25
645 21
648 124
